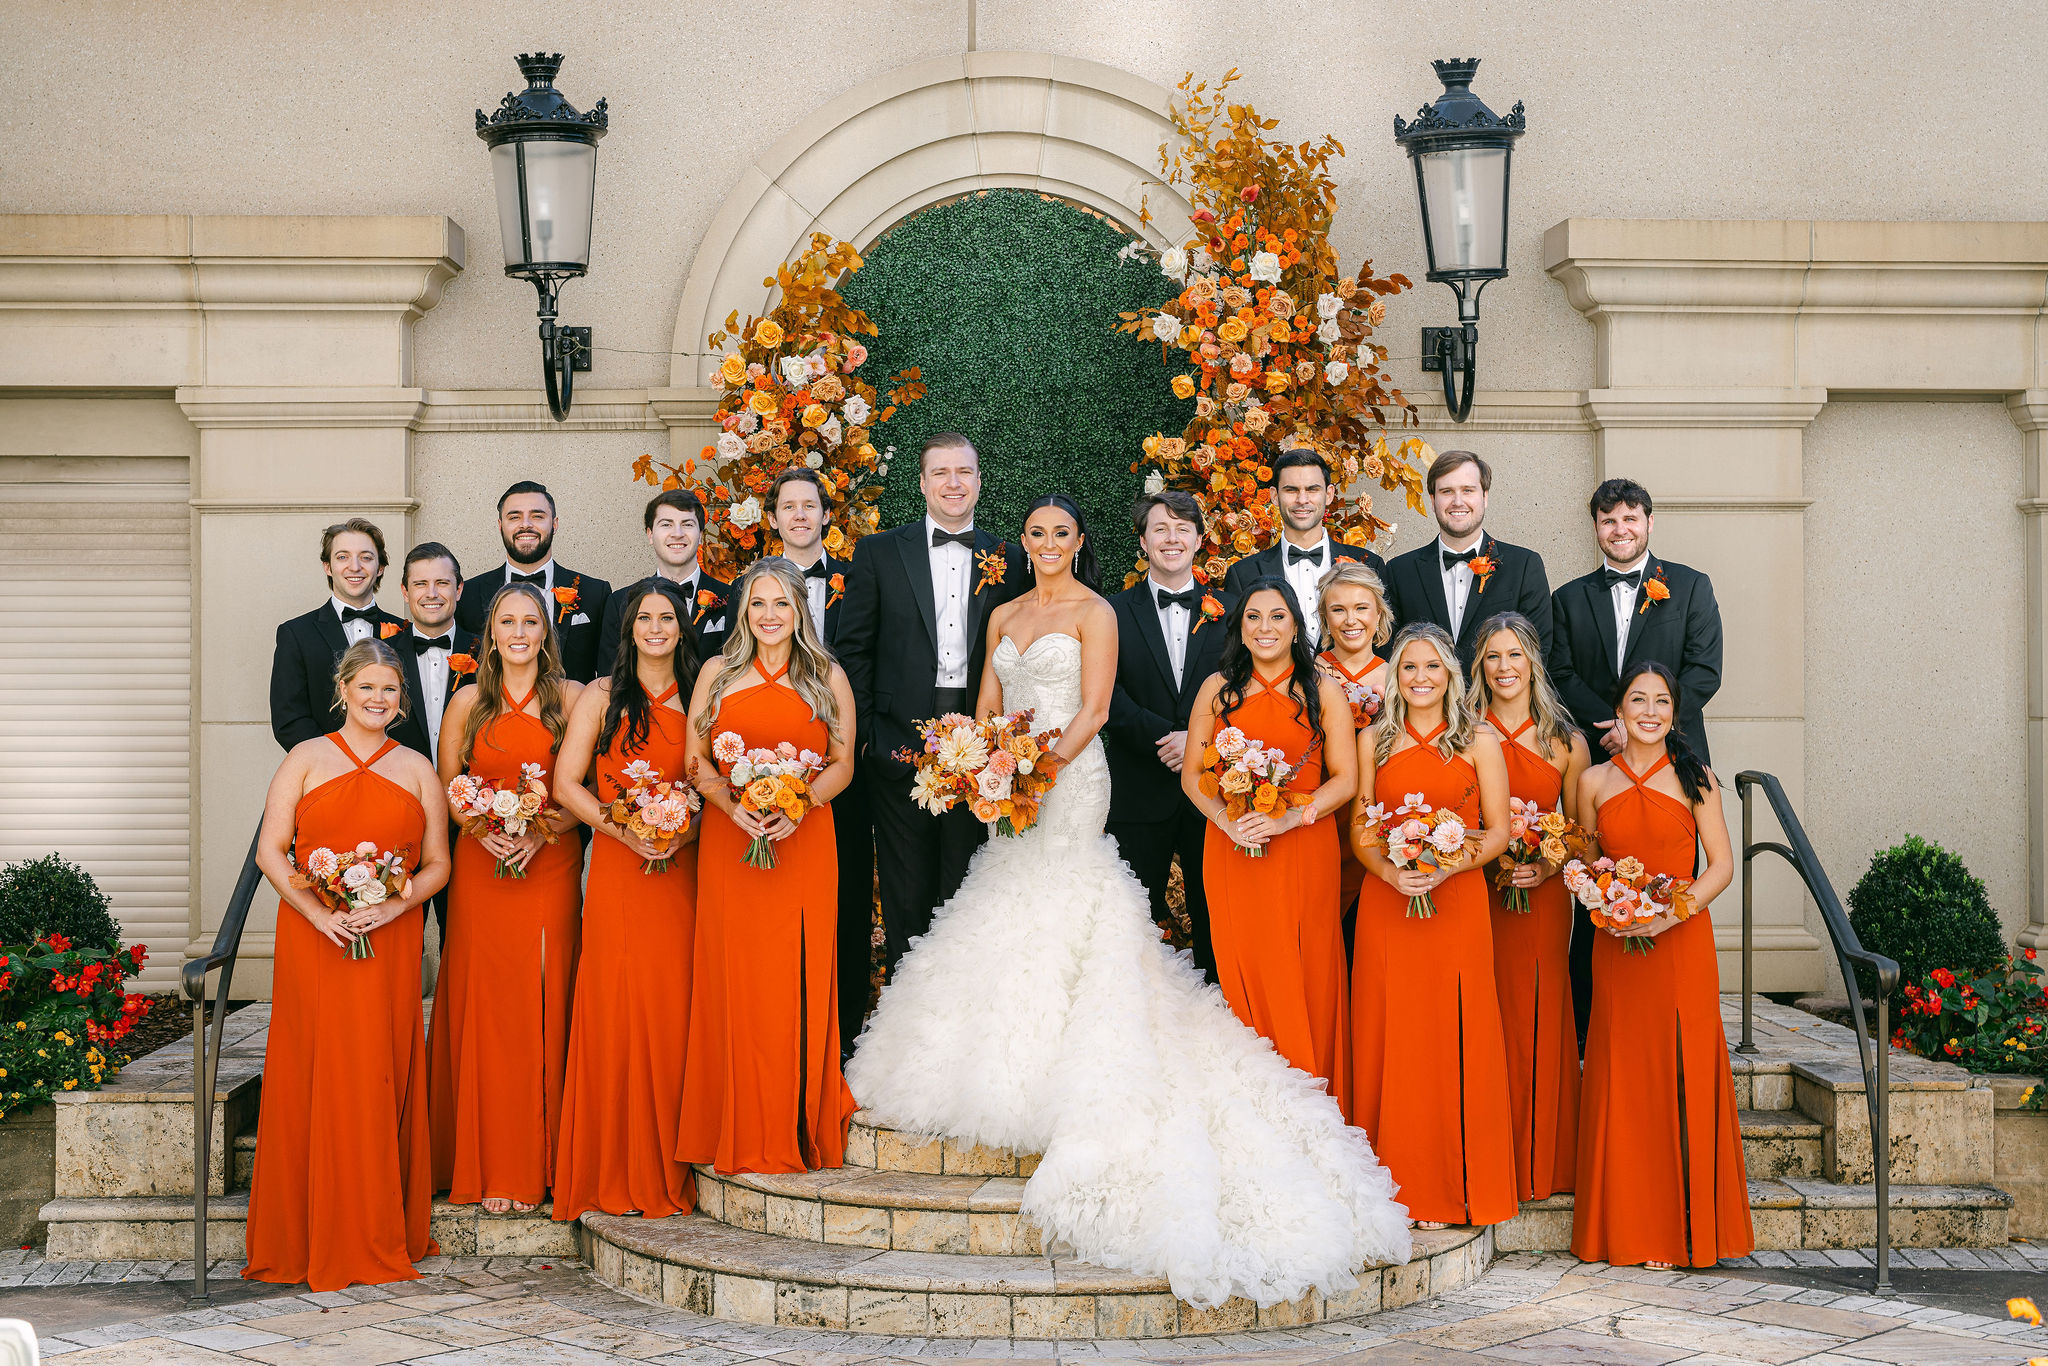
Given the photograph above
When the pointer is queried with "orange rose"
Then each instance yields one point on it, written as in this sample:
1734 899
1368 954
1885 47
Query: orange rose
1232 331
1656 591
1183 387
734 370
388 629
767 333
763 402
761 794
458 665
1276 381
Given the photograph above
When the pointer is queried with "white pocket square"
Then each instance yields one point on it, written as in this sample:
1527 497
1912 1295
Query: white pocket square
717 624
579 620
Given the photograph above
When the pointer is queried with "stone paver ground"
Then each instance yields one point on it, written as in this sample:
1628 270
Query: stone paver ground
1528 1308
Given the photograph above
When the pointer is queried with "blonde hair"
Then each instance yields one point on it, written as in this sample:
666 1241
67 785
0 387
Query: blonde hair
1359 575
1460 725
810 666
368 654
1553 723
490 674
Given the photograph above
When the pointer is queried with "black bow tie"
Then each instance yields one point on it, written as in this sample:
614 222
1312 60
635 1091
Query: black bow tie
349 614
422 644
1632 578
1186 599
816 571
540 578
940 536
1452 557
1295 555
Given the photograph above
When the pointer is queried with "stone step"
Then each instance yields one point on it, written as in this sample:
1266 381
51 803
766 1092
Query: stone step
702 1265
159 1229
1798 1213
1780 1143
863 1207
243 1171
873 1144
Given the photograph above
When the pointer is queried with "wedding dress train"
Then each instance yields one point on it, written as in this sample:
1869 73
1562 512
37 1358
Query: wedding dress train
1042 1013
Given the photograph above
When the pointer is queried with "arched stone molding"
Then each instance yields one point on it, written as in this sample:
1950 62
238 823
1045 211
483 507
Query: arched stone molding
917 136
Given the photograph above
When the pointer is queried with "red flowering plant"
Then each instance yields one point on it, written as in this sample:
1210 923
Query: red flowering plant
1991 1021
64 1010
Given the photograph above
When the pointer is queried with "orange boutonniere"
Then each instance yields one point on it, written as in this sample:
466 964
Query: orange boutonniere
566 599
1482 569
991 564
1654 590
388 629
458 665
1211 610
706 600
837 583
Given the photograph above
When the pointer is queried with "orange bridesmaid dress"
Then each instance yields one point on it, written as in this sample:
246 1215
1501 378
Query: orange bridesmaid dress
1351 873
1660 1174
342 1188
501 1008
762 1087
1431 1068
1275 921
624 1089
1532 974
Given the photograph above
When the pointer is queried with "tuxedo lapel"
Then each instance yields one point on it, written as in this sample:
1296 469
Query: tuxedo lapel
1476 609
328 623
1146 609
409 659
1205 647
1600 613
917 568
1427 565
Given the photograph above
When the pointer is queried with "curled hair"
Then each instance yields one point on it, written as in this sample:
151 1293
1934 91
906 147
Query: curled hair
368 654
1358 574
490 673
1612 493
1692 774
1084 554
1236 664
1460 725
1553 723
810 664
629 701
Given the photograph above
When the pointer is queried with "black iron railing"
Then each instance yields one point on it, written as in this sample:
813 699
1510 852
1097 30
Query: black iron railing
227 943
1873 1051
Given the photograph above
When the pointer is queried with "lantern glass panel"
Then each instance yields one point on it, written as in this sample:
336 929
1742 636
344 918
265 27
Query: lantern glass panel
1465 196
558 180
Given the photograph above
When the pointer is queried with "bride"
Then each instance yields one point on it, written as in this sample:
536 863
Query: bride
1042 1013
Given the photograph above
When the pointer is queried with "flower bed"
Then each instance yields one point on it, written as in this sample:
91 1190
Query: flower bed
64 1014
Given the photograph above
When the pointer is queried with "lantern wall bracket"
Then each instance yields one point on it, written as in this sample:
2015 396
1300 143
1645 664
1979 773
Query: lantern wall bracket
1453 351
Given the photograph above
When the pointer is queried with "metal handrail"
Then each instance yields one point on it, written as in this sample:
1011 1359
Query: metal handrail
1872 1053
227 943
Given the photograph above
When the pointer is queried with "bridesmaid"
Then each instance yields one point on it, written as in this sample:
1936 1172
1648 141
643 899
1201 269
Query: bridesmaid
762 1089
501 1008
1660 1174
1531 950
1356 622
343 1186
624 1087
1275 921
1432 1086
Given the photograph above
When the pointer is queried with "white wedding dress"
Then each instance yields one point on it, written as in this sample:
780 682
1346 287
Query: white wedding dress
1042 1013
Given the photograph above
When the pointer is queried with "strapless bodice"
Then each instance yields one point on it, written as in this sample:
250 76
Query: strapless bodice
1046 678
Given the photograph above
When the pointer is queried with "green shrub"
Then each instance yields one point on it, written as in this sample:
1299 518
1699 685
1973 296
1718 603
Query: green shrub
47 896
1919 904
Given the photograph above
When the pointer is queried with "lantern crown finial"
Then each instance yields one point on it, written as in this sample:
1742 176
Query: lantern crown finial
1458 110
1456 72
540 109
539 68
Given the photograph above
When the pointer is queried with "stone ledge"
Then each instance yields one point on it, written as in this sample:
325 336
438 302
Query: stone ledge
158 1228
1796 1213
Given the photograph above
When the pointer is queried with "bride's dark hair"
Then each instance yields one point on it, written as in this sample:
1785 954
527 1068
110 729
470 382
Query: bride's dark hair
1236 664
1084 557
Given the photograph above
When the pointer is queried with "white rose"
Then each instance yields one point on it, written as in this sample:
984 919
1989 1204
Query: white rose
1328 332
1327 305
856 410
745 513
505 803
371 894
515 827
731 446
1173 262
1166 327
814 460
796 371
1266 267
1155 482
1336 372
355 875
992 785
832 432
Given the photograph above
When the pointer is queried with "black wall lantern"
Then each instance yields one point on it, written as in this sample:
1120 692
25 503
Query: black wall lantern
1461 150
544 159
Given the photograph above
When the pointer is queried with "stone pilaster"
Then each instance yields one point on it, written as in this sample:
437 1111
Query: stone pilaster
2029 411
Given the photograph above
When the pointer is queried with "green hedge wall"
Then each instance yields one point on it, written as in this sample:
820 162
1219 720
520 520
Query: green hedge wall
1005 300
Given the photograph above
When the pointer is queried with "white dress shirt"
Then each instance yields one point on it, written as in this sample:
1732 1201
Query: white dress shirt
817 590
1457 585
433 698
1174 621
1625 604
1303 576
952 592
358 630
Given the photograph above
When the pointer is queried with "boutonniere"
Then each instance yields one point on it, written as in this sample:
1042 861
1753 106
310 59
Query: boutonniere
566 599
1482 569
388 629
837 583
706 600
1211 610
460 665
992 565
1654 590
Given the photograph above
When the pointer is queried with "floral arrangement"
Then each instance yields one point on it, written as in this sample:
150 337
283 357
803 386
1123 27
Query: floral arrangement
1247 775
1992 1021
766 780
354 881
482 807
1534 836
1620 894
1365 701
1276 344
64 1010
791 397
1000 767
1413 835
653 810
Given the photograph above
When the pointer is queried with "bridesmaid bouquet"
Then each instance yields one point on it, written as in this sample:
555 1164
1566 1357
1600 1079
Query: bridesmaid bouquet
1534 836
1618 895
1414 835
765 780
1365 701
354 881
653 810
483 808
1000 767
1247 775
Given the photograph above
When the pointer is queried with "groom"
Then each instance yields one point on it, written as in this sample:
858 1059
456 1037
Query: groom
911 639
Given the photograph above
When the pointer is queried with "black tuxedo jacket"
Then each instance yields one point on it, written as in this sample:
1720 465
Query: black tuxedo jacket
412 731
576 626
1147 705
1415 592
302 672
1266 564
886 636
709 622
1683 633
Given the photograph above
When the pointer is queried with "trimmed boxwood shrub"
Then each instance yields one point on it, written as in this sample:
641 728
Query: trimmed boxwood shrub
51 896
1918 903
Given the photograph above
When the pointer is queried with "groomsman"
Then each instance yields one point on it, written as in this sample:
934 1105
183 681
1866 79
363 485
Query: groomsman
1437 582
912 633
527 525
675 529
799 510
432 654
1169 639
1634 607
1305 551
309 646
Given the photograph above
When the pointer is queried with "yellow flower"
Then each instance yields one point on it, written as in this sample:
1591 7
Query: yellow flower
764 403
835 542
1232 331
734 370
1276 381
42 1052
70 1083
768 333
815 415
1183 387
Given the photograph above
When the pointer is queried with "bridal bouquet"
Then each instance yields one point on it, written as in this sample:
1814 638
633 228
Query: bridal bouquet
1248 776
1415 835
653 810
767 780
1000 767
354 881
1534 836
1618 895
483 807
